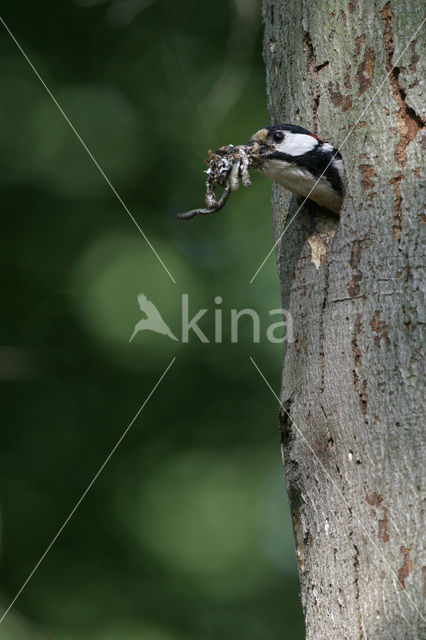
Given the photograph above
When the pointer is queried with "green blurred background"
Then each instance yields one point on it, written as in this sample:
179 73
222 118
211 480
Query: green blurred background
186 534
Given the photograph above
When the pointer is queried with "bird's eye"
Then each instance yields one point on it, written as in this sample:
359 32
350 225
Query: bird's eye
278 136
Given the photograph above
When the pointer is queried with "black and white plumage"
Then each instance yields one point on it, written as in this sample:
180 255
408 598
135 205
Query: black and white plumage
302 163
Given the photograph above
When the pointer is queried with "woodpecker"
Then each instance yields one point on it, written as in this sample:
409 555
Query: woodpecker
301 162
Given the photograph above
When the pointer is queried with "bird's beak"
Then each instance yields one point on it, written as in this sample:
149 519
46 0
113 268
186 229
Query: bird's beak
260 138
264 149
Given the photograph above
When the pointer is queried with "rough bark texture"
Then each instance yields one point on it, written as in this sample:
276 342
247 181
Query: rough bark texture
352 378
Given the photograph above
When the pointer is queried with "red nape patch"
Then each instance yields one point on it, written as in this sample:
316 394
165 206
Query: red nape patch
316 137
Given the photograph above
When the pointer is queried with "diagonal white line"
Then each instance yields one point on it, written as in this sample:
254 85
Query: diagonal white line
336 486
86 491
95 162
339 148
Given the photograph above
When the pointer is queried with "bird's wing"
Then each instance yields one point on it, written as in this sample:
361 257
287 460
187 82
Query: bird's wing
142 301
147 306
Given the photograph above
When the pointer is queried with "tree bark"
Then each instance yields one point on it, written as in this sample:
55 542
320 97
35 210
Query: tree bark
352 417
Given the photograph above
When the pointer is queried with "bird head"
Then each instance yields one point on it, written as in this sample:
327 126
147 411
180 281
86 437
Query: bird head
302 163
284 138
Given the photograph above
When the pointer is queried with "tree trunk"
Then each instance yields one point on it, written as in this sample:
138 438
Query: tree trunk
352 420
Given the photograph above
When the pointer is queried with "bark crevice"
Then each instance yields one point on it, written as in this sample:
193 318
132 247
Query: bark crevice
409 123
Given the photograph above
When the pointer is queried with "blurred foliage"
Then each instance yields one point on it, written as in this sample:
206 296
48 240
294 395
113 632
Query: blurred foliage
186 534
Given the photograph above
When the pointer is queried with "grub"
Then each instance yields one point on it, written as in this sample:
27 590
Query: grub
227 166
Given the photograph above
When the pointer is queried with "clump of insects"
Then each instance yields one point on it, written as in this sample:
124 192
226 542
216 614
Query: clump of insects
227 166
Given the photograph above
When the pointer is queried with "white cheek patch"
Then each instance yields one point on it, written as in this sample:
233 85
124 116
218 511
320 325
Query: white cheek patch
296 144
327 147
